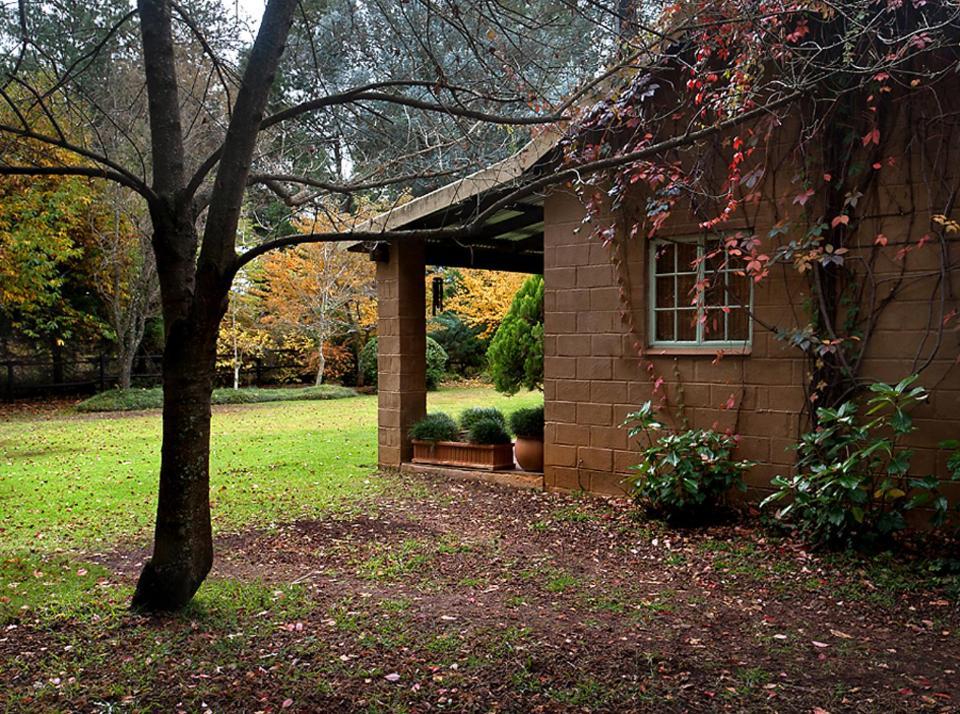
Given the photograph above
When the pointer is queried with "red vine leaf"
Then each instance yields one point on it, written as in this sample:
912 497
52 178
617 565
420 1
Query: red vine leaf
872 137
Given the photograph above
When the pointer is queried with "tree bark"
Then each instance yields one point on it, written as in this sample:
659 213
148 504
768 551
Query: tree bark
183 540
322 364
125 358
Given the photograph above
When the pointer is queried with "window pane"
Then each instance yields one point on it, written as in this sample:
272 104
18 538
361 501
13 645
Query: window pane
738 324
685 285
738 289
711 269
687 325
714 292
713 326
666 292
686 256
664 256
664 330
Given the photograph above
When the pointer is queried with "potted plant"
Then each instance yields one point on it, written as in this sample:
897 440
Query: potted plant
474 414
483 444
527 424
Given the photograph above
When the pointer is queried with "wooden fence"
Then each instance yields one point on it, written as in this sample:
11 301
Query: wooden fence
30 378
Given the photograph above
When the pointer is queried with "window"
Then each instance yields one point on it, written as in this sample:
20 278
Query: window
694 301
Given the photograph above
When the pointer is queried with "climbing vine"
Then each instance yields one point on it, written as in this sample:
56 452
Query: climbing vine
815 143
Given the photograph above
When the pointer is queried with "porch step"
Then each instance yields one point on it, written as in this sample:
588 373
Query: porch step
528 480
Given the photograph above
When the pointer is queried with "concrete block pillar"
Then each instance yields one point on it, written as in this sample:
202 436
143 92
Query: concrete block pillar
402 343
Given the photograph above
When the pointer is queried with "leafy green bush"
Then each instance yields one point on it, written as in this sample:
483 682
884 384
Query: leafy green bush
528 423
474 414
436 363
852 484
515 357
367 363
435 427
683 475
136 399
488 431
466 351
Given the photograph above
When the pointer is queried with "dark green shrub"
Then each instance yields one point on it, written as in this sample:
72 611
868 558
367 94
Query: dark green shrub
436 363
466 352
137 399
852 484
528 423
435 427
488 431
474 414
515 357
367 363
683 475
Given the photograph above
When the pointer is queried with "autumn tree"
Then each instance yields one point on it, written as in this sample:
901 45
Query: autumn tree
483 297
126 273
316 292
242 334
45 239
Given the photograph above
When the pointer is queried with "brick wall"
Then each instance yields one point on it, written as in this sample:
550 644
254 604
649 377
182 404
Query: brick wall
592 378
401 345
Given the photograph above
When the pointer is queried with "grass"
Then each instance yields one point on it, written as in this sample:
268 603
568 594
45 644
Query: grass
392 563
54 589
87 482
118 400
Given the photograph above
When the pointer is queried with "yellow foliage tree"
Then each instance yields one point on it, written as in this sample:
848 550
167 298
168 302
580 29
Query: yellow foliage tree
44 230
314 292
241 333
483 297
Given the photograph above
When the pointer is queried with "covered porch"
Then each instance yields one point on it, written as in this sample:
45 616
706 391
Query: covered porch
511 240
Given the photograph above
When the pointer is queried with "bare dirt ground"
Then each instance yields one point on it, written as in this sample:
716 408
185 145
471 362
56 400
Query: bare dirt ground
454 596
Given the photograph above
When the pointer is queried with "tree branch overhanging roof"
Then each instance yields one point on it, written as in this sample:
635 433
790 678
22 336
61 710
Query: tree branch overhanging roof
493 177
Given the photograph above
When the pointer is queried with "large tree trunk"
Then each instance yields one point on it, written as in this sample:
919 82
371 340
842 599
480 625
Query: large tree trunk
194 286
183 542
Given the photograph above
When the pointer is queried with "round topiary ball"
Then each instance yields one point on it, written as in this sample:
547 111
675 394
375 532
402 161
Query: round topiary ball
474 414
488 431
435 427
528 423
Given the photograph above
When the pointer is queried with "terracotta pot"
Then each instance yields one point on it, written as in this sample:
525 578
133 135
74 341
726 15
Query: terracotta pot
492 457
529 453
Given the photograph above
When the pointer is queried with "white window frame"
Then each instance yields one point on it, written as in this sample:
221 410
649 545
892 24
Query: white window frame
699 343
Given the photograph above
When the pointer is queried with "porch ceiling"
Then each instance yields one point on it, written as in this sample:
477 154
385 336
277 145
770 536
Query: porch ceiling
511 240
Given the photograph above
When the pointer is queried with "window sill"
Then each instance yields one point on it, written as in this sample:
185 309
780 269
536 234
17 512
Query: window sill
683 351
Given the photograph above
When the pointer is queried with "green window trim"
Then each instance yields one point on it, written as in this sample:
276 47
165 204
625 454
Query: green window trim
680 314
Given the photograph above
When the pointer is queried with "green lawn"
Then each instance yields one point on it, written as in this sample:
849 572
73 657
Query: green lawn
401 594
89 482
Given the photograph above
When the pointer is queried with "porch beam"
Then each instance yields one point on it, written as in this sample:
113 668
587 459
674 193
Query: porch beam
484 258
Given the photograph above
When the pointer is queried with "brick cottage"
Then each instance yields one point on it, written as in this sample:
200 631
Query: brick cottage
619 318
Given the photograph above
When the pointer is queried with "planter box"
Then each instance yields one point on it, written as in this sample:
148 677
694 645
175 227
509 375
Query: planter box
492 457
